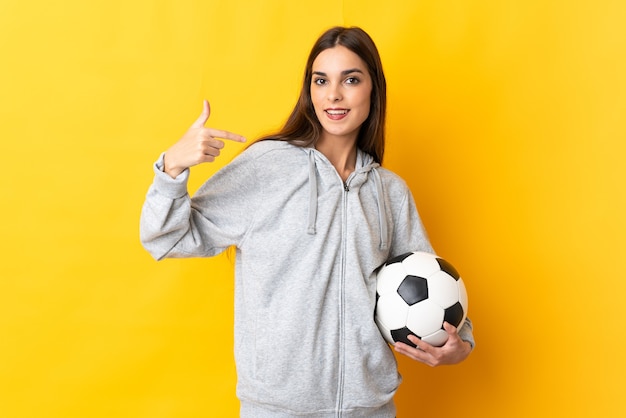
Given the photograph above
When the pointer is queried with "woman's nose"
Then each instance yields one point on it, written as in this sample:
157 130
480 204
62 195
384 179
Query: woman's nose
334 94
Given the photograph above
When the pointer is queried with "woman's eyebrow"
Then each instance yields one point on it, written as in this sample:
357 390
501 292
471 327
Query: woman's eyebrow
344 72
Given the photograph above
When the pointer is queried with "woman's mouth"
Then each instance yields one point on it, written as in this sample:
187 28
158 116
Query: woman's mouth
336 114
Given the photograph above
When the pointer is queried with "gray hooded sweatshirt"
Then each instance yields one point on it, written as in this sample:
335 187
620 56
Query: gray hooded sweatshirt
307 249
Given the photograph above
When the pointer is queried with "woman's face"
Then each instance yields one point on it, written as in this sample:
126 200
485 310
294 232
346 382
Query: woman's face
341 88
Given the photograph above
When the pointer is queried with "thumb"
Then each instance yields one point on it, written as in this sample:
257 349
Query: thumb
204 116
450 329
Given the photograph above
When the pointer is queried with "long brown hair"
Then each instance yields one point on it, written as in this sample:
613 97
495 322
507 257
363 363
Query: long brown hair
302 128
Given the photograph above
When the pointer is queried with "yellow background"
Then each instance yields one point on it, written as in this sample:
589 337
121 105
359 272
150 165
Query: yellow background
506 118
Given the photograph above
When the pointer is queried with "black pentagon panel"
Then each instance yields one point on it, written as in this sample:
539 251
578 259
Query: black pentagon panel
413 289
401 336
454 314
448 268
398 259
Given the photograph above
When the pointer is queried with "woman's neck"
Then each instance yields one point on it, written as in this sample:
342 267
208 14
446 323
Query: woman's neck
340 153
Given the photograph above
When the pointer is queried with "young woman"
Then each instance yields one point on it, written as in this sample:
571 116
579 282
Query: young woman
312 215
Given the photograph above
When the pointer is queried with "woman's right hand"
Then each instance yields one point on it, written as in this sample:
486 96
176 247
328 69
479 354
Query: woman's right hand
198 145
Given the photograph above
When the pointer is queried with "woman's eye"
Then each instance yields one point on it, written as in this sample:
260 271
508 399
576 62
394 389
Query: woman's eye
319 81
352 80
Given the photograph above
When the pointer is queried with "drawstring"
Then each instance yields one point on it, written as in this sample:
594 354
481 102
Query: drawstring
380 202
312 194
380 199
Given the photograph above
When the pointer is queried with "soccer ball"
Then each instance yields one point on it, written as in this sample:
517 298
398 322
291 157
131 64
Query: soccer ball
415 293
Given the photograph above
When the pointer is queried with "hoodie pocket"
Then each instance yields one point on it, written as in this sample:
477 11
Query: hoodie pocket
291 366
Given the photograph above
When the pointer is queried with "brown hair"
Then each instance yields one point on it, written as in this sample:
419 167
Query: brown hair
302 128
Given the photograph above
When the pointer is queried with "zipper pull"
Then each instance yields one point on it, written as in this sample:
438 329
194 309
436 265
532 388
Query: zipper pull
345 187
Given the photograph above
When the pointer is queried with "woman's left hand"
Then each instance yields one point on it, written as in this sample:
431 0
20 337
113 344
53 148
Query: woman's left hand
455 350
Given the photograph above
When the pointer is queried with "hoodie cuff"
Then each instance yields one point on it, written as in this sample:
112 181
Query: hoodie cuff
167 186
466 334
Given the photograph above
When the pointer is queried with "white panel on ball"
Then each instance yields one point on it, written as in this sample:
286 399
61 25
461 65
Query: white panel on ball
463 296
392 311
443 289
390 278
425 318
437 338
422 265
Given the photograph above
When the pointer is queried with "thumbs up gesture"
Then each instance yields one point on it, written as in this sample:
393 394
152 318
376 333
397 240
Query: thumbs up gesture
198 145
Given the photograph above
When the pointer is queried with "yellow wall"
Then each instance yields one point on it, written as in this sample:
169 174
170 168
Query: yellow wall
506 118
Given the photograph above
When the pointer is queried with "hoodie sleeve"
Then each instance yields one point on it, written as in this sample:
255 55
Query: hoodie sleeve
466 332
409 233
173 224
